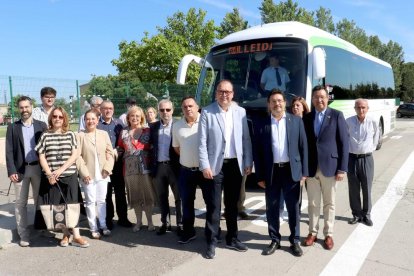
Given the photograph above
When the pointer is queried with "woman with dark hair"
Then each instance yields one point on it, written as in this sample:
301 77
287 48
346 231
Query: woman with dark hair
57 149
135 141
299 106
95 164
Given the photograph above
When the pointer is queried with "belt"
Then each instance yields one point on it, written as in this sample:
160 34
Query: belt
228 160
281 165
360 155
163 162
31 163
193 169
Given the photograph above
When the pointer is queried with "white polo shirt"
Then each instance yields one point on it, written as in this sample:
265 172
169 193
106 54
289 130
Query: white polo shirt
186 138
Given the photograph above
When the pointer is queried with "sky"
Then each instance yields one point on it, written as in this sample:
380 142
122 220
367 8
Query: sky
76 39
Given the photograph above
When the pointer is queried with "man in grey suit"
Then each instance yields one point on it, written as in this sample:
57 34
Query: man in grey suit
225 153
281 163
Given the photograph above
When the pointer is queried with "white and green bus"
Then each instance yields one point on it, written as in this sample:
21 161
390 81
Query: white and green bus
310 55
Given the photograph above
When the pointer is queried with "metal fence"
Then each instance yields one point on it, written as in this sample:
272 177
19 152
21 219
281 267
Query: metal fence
74 95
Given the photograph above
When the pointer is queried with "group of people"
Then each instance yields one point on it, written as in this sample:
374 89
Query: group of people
213 150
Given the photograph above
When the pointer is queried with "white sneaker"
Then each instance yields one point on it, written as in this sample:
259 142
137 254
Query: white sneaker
106 232
96 235
24 243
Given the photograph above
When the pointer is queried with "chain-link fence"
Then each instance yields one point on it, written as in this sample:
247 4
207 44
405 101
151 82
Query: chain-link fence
74 95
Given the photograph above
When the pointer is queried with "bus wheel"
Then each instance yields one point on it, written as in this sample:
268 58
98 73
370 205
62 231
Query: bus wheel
381 130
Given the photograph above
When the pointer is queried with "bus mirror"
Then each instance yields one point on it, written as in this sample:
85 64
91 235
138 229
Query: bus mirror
183 67
319 67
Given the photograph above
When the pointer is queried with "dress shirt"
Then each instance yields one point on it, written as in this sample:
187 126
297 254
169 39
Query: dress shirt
279 140
269 78
29 143
39 113
113 129
363 136
164 141
319 117
229 147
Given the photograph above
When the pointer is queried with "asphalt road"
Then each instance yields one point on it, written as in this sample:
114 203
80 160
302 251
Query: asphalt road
384 249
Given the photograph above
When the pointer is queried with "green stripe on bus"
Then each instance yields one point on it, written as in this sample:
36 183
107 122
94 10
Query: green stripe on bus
317 41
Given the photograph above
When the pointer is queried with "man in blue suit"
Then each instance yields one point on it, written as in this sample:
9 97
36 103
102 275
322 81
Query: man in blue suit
328 144
225 153
281 162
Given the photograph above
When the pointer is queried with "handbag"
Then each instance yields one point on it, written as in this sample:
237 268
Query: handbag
60 216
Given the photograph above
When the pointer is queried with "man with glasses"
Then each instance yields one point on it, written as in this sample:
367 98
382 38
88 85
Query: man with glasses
328 145
114 127
48 97
95 103
23 162
225 153
166 166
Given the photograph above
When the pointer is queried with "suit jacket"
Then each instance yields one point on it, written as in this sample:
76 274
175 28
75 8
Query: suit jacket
86 149
15 157
212 140
331 148
297 148
174 157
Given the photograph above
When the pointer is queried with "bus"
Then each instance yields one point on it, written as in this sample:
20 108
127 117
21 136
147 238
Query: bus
311 57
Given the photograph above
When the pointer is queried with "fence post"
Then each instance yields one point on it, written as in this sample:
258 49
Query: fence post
78 96
11 99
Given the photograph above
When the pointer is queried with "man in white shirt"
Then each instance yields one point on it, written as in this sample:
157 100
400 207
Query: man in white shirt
48 97
364 135
274 76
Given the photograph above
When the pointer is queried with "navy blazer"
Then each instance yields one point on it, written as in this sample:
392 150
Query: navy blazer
174 157
15 156
297 148
331 148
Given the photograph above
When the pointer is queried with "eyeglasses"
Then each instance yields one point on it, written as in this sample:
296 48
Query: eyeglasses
95 105
57 117
224 92
49 97
165 109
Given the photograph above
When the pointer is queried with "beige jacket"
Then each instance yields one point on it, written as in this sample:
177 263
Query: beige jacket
86 150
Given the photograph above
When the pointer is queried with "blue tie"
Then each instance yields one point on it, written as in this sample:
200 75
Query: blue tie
318 123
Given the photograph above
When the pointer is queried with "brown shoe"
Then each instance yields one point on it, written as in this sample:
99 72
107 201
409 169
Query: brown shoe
329 243
65 241
310 240
80 242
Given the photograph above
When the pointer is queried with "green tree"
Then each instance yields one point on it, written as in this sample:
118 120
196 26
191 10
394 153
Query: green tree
284 11
407 86
232 22
324 20
157 58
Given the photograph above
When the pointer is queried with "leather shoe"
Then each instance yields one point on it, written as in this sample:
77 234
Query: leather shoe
310 240
180 230
296 250
328 242
243 215
110 224
163 229
354 220
271 248
211 251
367 221
237 245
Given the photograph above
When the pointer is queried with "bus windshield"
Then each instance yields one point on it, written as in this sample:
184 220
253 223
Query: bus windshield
249 65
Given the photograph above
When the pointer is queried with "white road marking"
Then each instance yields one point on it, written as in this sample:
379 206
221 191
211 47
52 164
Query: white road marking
396 137
6 214
356 248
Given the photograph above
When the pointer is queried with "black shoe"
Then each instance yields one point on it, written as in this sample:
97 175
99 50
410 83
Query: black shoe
367 221
186 238
211 251
354 220
237 245
163 229
124 223
110 224
180 231
271 248
223 216
296 250
243 215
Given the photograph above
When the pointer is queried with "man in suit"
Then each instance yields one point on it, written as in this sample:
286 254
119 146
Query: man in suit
281 162
328 145
113 127
166 166
23 162
225 153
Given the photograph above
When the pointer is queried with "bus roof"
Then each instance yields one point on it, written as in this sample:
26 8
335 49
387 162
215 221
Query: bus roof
315 37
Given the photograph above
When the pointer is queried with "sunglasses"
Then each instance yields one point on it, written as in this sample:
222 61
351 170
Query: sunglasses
57 117
165 109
